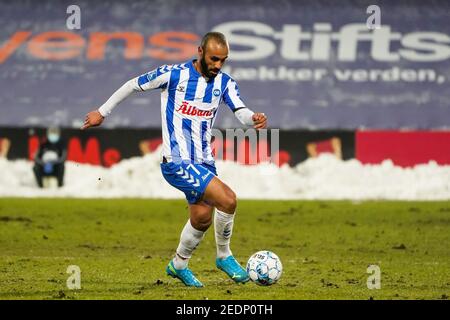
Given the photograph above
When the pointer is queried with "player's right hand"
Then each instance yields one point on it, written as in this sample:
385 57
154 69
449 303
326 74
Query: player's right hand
93 119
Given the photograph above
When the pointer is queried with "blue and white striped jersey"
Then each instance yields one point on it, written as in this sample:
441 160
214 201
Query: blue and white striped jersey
189 104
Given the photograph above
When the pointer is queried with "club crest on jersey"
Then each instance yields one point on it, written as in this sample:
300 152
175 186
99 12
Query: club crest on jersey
216 92
187 109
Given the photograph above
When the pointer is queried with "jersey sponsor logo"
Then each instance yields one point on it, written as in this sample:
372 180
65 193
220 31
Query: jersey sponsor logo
216 92
151 75
187 109
205 176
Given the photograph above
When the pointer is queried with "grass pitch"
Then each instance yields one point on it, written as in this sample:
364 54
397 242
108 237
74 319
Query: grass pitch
123 246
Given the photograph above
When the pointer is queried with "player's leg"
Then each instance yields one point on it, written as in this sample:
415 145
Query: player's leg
38 173
224 199
193 232
59 173
219 195
191 180
200 218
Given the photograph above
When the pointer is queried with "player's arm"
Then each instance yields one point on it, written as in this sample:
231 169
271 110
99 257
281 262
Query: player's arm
246 116
96 117
147 81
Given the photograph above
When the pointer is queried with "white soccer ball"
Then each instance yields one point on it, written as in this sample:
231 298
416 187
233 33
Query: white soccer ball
264 268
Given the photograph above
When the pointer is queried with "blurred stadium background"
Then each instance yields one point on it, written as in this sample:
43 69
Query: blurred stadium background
363 114
326 81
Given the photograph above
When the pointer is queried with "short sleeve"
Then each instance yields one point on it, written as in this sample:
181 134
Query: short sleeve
155 79
232 97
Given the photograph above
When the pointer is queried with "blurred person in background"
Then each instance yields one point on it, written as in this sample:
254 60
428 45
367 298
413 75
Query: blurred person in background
4 147
149 145
333 146
50 158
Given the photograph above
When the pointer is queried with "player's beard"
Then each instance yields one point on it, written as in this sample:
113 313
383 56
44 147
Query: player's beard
204 68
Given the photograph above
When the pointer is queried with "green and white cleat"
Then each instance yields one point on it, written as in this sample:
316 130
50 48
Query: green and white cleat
185 275
233 269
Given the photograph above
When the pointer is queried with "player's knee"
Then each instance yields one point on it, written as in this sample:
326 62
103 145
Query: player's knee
203 225
202 221
230 202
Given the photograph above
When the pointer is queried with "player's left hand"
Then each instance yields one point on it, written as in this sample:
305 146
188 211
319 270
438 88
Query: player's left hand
93 119
259 121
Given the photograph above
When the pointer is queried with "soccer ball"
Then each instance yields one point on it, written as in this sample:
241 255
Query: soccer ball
264 268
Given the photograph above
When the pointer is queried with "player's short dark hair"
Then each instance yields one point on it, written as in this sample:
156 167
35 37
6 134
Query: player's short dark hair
217 36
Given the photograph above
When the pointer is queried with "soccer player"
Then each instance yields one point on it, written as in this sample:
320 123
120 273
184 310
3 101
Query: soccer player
191 93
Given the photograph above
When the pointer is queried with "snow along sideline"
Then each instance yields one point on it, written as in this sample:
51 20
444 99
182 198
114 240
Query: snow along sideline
325 177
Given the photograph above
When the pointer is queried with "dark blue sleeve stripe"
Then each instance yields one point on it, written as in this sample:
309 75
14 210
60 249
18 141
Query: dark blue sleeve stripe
142 80
226 98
